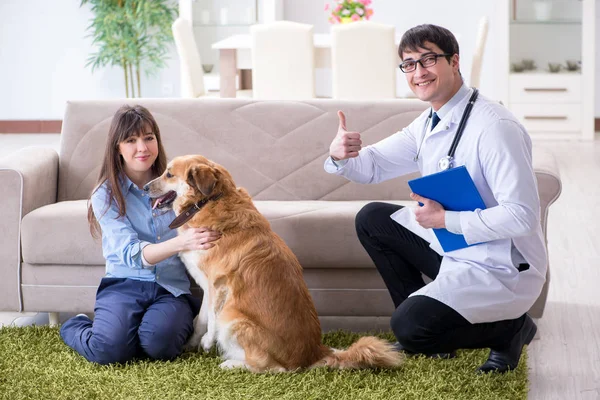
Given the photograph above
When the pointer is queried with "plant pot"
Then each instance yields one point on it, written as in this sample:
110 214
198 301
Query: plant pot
347 20
554 67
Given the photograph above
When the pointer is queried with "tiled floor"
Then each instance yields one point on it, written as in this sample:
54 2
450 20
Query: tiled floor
23 319
10 142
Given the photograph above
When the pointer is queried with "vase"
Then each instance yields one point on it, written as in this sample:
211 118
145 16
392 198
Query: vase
347 20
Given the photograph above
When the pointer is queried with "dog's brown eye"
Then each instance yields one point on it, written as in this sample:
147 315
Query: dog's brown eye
169 175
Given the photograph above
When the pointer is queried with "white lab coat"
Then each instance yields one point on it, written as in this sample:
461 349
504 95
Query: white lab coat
480 282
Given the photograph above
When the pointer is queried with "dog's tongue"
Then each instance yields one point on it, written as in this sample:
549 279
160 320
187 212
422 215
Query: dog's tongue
167 197
157 202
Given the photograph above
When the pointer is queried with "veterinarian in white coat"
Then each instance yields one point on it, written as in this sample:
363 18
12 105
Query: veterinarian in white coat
483 290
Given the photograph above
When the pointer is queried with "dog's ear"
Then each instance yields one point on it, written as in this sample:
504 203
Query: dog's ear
202 178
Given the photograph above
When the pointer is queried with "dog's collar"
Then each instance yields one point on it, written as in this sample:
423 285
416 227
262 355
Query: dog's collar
186 215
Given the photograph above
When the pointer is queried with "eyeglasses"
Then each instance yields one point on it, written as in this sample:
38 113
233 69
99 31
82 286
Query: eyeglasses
426 61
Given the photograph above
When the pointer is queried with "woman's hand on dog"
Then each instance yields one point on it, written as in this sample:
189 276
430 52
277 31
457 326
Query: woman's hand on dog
188 239
198 239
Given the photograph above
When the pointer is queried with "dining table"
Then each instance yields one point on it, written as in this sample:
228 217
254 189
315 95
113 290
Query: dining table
235 53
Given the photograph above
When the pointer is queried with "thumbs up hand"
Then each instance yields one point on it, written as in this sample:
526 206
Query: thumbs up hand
346 144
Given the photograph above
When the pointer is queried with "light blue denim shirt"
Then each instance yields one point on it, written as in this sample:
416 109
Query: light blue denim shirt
123 238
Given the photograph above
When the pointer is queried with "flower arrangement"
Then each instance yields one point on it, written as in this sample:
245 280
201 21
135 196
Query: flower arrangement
344 11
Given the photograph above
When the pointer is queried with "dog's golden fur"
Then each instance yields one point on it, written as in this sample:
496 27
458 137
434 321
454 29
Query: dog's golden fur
256 291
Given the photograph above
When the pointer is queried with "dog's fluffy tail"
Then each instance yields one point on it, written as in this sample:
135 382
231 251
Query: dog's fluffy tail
367 352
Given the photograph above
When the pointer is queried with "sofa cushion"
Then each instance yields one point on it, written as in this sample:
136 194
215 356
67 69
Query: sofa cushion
59 234
275 149
320 233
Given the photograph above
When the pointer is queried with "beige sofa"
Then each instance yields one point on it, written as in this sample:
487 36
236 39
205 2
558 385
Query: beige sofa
49 262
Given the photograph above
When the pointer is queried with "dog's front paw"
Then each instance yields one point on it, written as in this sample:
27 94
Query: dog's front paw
231 364
193 343
207 342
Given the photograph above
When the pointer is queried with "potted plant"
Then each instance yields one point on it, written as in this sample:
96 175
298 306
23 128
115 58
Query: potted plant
345 11
132 34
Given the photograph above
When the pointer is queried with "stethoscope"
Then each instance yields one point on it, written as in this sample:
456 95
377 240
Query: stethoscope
447 162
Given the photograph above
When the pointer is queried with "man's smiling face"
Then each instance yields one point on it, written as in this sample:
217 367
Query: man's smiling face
435 84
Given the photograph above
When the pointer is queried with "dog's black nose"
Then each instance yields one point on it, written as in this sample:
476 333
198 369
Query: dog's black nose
146 188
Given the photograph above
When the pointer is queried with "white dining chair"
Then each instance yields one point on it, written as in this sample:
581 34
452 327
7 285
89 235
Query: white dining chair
283 61
192 74
363 61
477 61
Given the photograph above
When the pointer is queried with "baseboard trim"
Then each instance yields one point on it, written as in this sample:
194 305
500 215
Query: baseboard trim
30 126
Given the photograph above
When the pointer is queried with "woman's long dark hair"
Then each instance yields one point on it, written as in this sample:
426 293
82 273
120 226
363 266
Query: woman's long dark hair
128 121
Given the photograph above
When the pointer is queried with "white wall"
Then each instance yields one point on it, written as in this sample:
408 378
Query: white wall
461 17
43 52
44 48
597 99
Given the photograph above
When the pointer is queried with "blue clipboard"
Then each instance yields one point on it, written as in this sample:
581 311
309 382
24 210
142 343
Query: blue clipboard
455 190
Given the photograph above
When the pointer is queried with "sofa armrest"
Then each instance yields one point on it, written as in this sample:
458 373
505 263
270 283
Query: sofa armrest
28 179
549 183
549 188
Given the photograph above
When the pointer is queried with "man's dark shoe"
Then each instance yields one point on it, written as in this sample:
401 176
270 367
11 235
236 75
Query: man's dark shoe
507 358
444 356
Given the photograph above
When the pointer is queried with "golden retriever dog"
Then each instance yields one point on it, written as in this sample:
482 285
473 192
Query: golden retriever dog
256 305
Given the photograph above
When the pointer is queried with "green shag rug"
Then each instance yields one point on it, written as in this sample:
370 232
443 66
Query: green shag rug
36 364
